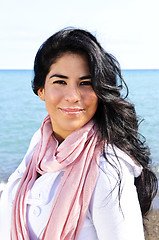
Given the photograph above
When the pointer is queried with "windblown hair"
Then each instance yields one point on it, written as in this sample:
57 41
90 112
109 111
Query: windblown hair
116 117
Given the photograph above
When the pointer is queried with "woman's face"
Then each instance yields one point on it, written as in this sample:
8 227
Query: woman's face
68 94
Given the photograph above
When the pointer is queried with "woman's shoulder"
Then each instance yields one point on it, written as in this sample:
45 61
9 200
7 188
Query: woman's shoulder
114 205
117 171
116 160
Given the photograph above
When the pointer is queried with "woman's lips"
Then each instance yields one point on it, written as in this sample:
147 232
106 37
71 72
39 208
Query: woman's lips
72 111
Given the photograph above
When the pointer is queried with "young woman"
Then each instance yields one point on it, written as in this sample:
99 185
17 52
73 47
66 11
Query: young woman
86 173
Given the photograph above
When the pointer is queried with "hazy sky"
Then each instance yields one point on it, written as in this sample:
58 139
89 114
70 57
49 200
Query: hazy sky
129 29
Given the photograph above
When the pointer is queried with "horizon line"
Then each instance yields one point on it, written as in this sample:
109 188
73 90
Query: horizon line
122 69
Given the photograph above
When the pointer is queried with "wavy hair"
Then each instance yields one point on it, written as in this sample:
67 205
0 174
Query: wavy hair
115 116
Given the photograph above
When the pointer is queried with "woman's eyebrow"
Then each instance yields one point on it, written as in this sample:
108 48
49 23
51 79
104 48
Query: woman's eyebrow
85 77
65 77
59 76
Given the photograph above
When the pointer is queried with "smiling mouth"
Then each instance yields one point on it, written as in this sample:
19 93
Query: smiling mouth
72 111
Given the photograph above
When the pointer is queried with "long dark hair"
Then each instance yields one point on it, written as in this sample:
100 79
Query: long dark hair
116 117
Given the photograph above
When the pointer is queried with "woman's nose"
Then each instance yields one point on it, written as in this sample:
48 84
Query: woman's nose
72 94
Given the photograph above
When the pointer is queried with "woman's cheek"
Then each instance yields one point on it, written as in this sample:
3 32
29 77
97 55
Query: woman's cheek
91 98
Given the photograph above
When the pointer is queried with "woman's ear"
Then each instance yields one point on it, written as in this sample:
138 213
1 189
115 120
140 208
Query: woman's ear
41 94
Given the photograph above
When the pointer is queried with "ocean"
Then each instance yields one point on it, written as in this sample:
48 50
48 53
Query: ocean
22 113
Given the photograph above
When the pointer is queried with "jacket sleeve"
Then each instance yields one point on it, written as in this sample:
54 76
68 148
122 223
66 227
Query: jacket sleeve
114 218
8 195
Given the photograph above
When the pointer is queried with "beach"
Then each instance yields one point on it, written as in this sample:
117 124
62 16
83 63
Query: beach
152 225
151 221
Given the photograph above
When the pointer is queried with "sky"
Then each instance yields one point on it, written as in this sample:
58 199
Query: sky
128 29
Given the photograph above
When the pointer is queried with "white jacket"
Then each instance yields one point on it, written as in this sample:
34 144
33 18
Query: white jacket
105 220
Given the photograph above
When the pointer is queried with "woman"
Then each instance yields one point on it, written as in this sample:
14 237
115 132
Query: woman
85 174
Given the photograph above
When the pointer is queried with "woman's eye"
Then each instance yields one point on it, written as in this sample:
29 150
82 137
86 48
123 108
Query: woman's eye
61 82
86 83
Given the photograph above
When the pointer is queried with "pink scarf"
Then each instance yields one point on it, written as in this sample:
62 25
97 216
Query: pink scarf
79 154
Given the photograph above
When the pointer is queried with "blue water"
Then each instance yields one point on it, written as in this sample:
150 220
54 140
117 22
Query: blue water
22 113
